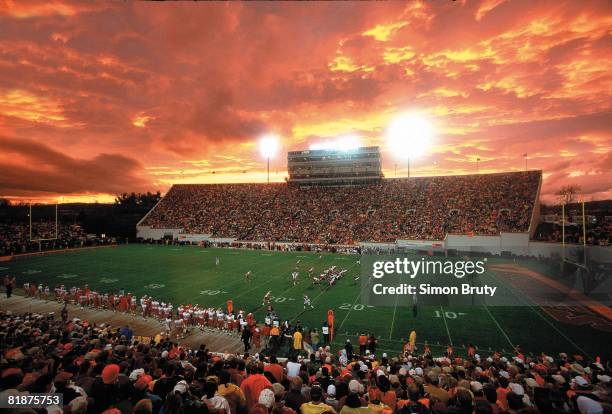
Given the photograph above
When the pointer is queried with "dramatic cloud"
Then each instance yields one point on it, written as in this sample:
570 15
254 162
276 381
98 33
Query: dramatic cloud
33 168
105 97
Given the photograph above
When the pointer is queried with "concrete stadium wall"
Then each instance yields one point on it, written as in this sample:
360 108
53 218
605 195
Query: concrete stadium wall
379 246
485 244
221 239
146 232
420 243
517 243
194 238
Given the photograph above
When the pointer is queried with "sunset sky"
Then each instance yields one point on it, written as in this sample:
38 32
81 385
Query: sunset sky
98 98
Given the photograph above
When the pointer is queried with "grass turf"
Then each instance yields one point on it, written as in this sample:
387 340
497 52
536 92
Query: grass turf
188 274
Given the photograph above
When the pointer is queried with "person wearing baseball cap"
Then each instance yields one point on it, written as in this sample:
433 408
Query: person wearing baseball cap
105 388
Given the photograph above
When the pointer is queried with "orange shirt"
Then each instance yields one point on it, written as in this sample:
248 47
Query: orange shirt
502 399
275 370
252 386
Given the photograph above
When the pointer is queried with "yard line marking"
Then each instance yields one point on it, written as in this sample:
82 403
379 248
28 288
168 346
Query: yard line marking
393 320
533 309
353 305
499 327
568 339
446 326
350 310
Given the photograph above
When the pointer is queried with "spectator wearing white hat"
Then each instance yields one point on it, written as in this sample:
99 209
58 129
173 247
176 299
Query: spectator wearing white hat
587 405
331 397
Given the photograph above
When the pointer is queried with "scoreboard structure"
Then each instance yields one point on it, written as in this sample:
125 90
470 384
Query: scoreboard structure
334 167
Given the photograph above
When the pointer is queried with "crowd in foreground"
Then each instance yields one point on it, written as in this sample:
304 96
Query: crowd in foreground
99 369
419 208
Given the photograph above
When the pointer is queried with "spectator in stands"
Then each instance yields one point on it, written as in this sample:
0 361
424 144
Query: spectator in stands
99 371
419 208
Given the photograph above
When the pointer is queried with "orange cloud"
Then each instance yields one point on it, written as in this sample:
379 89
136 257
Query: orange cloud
382 32
29 107
183 91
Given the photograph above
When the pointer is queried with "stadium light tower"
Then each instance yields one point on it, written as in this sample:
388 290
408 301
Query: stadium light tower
409 136
268 145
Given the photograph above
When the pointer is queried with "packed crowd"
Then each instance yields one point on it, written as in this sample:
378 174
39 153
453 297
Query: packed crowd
103 369
16 238
419 208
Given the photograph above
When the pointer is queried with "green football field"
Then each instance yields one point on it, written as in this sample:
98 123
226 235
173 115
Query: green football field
188 274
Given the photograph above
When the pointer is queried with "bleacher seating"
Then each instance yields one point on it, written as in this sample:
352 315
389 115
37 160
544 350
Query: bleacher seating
418 208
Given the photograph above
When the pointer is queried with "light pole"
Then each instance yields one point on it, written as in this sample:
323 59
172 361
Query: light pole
477 165
268 145
409 135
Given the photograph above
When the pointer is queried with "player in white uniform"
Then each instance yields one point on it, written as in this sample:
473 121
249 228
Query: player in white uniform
294 278
266 299
247 276
229 321
220 319
155 309
179 328
143 306
307 302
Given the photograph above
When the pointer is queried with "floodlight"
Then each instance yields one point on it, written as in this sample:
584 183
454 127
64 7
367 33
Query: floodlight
268 145
409 136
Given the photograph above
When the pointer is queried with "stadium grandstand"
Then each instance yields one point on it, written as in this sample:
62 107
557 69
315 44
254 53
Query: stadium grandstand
420 208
